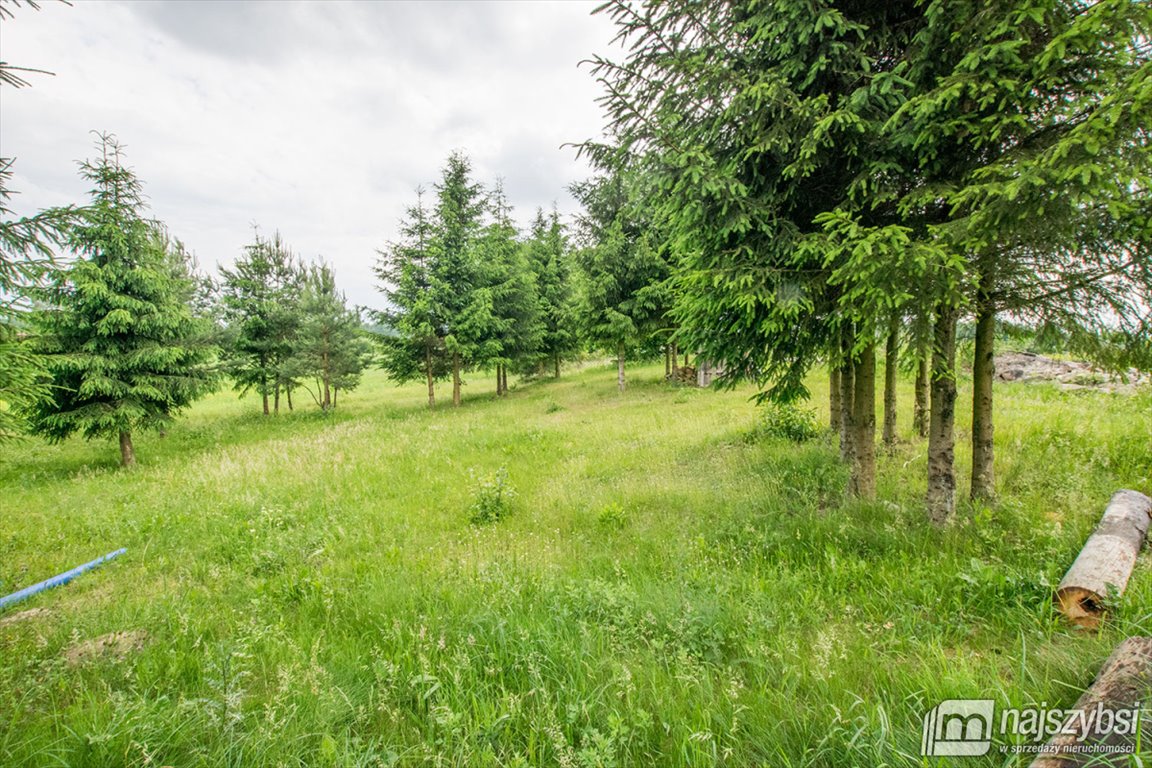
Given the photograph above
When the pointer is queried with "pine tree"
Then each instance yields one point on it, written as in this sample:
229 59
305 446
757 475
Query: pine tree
517 329
259 297
550 260
1030 140
624 271
330 352
459 294
414 343
26 251
121 344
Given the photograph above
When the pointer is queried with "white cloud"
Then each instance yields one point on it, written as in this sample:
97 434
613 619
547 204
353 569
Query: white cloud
319 119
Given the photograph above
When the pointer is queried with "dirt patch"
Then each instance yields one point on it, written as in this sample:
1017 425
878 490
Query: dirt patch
31 613
1068 374
116 646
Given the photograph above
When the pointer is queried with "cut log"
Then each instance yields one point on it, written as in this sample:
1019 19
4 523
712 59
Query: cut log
1106 561
1105 726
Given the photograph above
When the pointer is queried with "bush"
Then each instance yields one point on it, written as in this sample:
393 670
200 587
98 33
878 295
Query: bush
789 422
493 498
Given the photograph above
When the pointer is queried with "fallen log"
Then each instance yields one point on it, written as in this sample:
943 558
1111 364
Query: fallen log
1105 726
1105 563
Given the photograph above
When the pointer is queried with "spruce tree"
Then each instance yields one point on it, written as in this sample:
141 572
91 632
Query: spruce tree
414 339
259 298
516 330
623 267
550 260
121 344
459 293
26 251
330 351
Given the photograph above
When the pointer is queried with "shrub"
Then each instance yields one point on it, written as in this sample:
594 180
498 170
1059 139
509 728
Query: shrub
789 422
492 500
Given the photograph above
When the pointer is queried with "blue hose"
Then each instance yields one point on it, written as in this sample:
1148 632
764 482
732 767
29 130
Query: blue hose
56 581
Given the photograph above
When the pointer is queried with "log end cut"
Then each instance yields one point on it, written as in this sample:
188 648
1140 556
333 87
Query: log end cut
1083 607
1103 567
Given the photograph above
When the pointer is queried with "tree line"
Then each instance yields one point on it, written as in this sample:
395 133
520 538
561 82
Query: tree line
784 186
125 333
839 182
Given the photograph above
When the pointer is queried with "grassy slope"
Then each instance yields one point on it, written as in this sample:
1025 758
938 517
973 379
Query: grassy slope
667 591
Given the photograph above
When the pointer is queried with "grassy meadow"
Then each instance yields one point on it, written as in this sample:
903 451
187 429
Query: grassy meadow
669 586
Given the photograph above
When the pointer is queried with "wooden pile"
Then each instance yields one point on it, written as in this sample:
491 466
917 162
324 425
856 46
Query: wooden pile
1095 581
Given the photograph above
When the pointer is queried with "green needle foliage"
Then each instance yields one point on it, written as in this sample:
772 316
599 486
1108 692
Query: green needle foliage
26 250
623 266
550 261
120 342
414 345
460 294
260 297
330 351
826 168
517 330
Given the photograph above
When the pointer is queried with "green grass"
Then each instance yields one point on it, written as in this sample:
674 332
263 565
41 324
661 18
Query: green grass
667 586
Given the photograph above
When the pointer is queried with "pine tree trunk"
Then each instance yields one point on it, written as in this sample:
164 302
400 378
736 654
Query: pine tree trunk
327 381
556 366
620 368
685 359
505 378
941 497
276 401
891 364
847 392
335 395
920 414
667 363
264 396
127 452
833 397
864 425
983 373
428 374
456 379
288 390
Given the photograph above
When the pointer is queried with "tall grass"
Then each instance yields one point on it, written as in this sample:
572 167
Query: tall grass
669 585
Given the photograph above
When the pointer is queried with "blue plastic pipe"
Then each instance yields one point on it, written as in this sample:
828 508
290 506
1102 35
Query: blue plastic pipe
56 581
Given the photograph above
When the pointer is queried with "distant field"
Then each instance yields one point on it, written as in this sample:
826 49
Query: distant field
668 588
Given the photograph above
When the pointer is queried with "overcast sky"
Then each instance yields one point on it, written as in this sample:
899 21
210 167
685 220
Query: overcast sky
317 119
